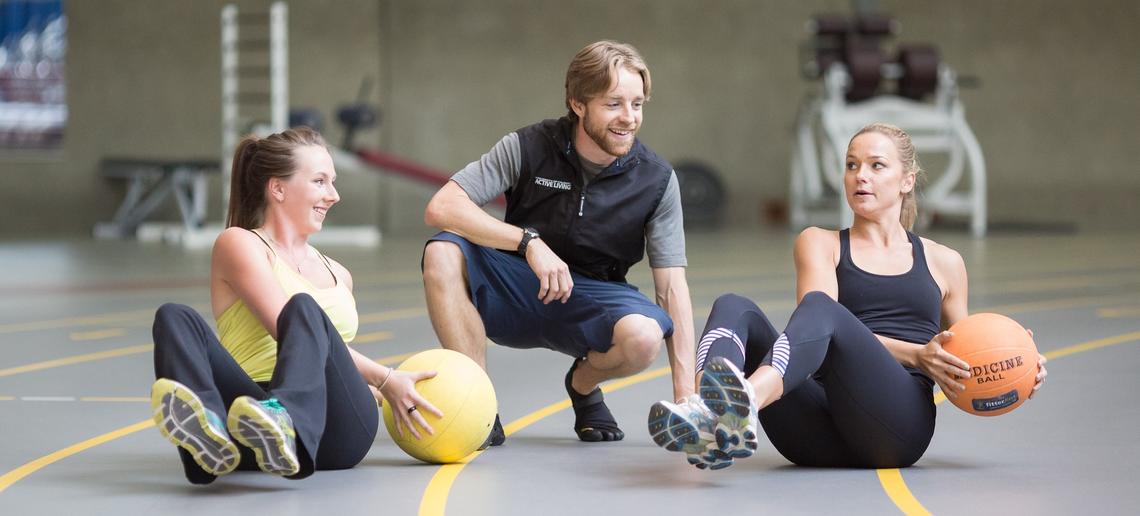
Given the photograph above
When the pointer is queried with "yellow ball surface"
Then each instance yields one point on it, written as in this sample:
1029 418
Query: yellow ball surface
462 390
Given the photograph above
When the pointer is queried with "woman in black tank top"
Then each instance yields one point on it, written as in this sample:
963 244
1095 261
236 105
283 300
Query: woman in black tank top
848 383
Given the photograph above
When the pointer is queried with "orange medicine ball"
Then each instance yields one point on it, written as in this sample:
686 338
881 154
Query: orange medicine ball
1003 363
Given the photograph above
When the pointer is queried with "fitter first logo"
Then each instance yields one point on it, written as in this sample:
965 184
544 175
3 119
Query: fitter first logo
993 371
550 183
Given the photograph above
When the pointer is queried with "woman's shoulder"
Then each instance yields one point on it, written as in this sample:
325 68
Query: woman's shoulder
816 237
817 242
237 244
235 236
942 256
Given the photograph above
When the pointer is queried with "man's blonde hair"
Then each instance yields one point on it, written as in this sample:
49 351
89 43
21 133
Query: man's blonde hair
594 68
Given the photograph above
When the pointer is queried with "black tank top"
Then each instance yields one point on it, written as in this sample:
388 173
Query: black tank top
906 306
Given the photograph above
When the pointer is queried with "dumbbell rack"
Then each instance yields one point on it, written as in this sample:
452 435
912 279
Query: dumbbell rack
827 120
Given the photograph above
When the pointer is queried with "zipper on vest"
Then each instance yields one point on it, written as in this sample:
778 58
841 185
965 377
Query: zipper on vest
582 203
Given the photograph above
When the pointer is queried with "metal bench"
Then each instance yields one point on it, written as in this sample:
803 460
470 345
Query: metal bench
150 182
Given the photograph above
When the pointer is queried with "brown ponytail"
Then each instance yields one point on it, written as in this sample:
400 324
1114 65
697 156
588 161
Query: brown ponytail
256 161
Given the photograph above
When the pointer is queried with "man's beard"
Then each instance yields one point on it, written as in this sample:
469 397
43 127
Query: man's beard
601 136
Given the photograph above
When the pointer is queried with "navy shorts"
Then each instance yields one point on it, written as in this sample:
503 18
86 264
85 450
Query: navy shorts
504 290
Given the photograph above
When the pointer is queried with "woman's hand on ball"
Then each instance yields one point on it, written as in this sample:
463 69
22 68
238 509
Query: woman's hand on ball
401 394
945 368
1041 374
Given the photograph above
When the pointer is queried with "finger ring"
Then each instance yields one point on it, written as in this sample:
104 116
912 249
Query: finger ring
411 409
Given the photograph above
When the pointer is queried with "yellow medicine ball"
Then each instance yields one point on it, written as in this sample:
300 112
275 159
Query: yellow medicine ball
462 390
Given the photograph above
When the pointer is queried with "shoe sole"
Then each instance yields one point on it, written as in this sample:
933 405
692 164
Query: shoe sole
724 392
257 430
671 430
181 418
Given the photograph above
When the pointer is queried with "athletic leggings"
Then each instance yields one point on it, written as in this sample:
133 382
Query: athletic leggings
315 379
847 402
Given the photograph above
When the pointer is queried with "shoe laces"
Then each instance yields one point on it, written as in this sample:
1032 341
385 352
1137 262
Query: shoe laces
275 409
698 412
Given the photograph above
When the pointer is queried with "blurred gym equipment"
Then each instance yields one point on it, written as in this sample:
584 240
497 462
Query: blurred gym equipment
860 84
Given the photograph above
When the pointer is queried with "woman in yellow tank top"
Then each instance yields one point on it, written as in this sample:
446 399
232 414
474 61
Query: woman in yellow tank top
280 382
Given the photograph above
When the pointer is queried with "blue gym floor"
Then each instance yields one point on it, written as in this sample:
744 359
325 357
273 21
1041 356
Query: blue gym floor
75 374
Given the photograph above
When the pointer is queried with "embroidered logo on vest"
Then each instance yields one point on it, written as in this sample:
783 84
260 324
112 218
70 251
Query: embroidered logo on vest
550 183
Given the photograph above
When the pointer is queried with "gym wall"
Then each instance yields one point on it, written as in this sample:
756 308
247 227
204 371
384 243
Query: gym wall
1056 113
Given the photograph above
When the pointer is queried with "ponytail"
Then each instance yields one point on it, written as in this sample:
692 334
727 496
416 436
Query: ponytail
256 161
245 198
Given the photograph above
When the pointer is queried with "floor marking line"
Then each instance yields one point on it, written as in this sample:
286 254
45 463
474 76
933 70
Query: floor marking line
375 336
392 315
76 359
892 480
91 320
434 500
15 475
416 312
97 334
893 483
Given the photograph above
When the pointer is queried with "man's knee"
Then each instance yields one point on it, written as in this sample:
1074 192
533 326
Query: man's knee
443 262
640 340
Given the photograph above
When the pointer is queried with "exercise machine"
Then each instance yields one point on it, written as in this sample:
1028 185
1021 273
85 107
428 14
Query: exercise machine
857 84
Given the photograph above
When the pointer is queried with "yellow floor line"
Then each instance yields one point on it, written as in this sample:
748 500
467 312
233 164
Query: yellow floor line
434 501
896 489
15 475
97 334
375 336
892 479
106 319
435 495
392 315
1128 311
87 357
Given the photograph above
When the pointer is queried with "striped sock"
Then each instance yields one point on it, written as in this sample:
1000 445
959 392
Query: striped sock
781 352
735 353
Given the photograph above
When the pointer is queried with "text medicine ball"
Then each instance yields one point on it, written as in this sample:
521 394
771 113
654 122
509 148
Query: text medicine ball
462 390
1003 363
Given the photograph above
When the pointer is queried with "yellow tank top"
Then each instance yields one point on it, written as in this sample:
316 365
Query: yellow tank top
251 345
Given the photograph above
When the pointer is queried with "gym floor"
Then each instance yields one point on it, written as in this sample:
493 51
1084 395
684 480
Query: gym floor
75 373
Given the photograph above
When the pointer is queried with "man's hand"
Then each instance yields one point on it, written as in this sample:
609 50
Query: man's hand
554 280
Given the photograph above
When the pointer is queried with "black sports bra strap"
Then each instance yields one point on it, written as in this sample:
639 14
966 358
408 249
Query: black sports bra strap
844 245
259 237
327 265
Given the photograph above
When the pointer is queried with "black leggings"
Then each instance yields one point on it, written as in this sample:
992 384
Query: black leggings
315 379
847 402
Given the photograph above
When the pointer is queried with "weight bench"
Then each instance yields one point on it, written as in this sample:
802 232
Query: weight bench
149 183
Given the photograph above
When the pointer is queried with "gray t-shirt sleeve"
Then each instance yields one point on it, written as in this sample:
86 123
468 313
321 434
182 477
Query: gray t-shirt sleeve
492 174
665 233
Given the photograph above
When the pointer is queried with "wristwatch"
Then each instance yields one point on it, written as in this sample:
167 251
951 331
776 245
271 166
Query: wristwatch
528 235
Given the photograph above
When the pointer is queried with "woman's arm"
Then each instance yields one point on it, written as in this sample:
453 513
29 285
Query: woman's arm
398 387
949 271
816 254
243 264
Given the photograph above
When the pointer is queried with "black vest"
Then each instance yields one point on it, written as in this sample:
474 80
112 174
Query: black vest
598 229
